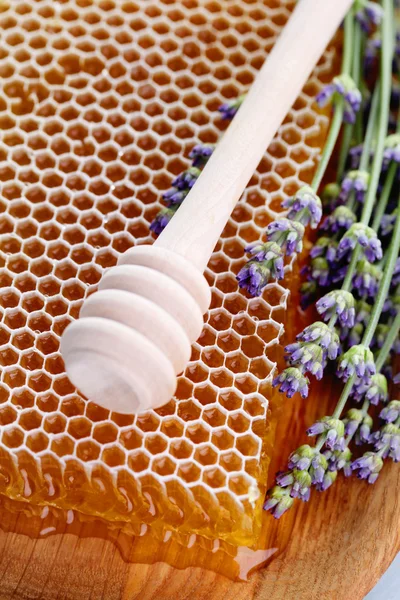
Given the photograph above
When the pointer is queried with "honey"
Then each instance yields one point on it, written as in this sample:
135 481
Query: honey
102 102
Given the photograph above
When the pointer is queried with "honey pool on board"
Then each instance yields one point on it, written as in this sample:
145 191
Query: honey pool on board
101 103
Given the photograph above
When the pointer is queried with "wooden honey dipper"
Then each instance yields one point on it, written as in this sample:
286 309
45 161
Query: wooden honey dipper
134 335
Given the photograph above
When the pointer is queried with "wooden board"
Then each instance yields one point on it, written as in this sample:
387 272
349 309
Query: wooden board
342 542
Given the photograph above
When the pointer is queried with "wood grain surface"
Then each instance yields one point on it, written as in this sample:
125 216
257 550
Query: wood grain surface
341 544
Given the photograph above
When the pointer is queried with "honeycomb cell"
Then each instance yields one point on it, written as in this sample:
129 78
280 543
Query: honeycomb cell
99 114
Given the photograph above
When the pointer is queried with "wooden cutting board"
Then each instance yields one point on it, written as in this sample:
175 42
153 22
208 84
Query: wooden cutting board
341 544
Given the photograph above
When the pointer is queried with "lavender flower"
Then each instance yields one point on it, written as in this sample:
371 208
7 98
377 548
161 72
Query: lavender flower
187 179
368 466
354 336
298 482
321 334
290 381
353 420
366 279
310 357
365 237
392 149
162 219
325 247
375 391
174 196
305 207
341 218
368 14
229 109
339 460
391 412
387 223
287 234
333 429
319 271
358 361
355 155
302 458
372 49
345 87
278 501
340 303
330 196
267 263
328 480
318 468
201 153
387 441
355 182
364 431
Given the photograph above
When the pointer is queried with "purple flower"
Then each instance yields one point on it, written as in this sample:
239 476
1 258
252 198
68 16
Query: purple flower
365 237
326 248
355 156
187 179
387 223
342 86
229 109
287 234
302 458
278 501
328 480
391 412
387 441
339 460
319 466
175 196
392 149
321 334
353 420
330 196
364 432
368 466
354 336
396 273
355 182
290 381
298 483
369 15
367 278
267 263
340 303
341 218
304 207
332 429
319 271
162 219
375 391
201 153
310 357
358 361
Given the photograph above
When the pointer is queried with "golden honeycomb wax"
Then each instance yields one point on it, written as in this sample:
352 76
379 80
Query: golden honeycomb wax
101 103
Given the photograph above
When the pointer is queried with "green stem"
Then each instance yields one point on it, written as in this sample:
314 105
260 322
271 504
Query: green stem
371 127
389 341
384 198
357 43
384 286
344 150
383 120
329 145
339 107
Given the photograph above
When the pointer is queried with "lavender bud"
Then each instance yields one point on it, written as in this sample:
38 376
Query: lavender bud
340 303
344 86
368 466
267 263
391 412
301 458
328 480
364 432
290 381
201 153
341 218
229 109
333 430
367 278
377 390
287 234
278 501
352 420
309 356
162 219
304 207
187 179
365 237
359 361
355 182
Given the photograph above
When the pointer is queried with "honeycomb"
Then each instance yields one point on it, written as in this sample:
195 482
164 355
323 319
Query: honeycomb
101 103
